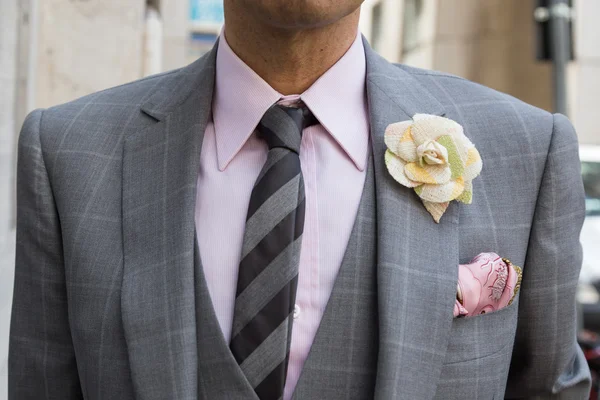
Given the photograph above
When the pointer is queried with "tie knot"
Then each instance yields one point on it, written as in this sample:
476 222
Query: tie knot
282 126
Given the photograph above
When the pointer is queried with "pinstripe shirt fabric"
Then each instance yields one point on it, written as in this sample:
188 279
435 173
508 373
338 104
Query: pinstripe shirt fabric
111 300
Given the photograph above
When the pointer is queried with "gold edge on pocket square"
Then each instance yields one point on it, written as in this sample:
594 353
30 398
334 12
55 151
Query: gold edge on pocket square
519 272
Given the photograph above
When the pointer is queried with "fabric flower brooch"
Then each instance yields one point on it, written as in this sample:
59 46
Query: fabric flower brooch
432 155
487 284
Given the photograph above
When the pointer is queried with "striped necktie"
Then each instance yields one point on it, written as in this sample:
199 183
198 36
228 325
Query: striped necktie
268 271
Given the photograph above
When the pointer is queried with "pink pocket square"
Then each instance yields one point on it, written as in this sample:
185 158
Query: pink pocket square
488 283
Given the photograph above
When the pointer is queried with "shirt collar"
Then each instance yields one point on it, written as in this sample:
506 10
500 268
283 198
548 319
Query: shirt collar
337 99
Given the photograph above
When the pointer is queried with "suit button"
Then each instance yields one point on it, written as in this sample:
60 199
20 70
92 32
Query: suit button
296 311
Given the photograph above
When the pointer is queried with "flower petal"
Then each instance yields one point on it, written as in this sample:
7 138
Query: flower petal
395 166
394 134
433 174
406 149
457 165
441 193
436 209
473 164
430 127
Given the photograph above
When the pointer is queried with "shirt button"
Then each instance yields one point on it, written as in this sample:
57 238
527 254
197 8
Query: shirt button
296 311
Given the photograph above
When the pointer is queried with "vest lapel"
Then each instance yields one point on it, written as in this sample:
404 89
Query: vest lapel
417 259
343 357
160 167
218 372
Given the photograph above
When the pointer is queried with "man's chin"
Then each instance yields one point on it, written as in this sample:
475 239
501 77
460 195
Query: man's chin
302 14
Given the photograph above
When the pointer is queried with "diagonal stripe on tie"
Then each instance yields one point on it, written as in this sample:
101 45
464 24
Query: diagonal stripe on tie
264 322
265 286
269 388
278 175
271 213
269 247
268 355
274 156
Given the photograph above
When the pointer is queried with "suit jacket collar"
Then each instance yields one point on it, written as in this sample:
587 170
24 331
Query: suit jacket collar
190 86
416 258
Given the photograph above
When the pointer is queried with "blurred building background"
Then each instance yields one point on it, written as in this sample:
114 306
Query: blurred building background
52 51
492 42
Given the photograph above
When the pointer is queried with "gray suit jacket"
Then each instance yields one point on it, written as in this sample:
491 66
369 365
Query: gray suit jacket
105 300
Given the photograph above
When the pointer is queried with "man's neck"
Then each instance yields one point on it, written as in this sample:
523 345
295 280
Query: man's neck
290 61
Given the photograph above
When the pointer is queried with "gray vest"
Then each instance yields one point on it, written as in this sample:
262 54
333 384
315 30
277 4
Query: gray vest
343 358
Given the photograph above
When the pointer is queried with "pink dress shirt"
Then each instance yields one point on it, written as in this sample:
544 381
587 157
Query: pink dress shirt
333 157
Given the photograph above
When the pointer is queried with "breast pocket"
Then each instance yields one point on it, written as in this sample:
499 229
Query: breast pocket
478 355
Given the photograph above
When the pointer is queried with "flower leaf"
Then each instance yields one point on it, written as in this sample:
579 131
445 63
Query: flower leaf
456 163
466 197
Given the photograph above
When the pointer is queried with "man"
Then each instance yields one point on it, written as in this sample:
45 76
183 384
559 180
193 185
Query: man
230 230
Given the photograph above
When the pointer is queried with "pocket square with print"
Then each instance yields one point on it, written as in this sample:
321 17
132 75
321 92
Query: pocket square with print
486 284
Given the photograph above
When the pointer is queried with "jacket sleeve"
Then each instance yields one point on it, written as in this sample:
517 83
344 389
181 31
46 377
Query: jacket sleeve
41 361
547 362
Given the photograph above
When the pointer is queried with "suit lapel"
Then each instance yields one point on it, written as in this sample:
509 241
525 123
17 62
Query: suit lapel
160 169
417 259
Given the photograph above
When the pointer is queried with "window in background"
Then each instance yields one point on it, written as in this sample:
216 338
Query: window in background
206 19
200 44
206 13
590 173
